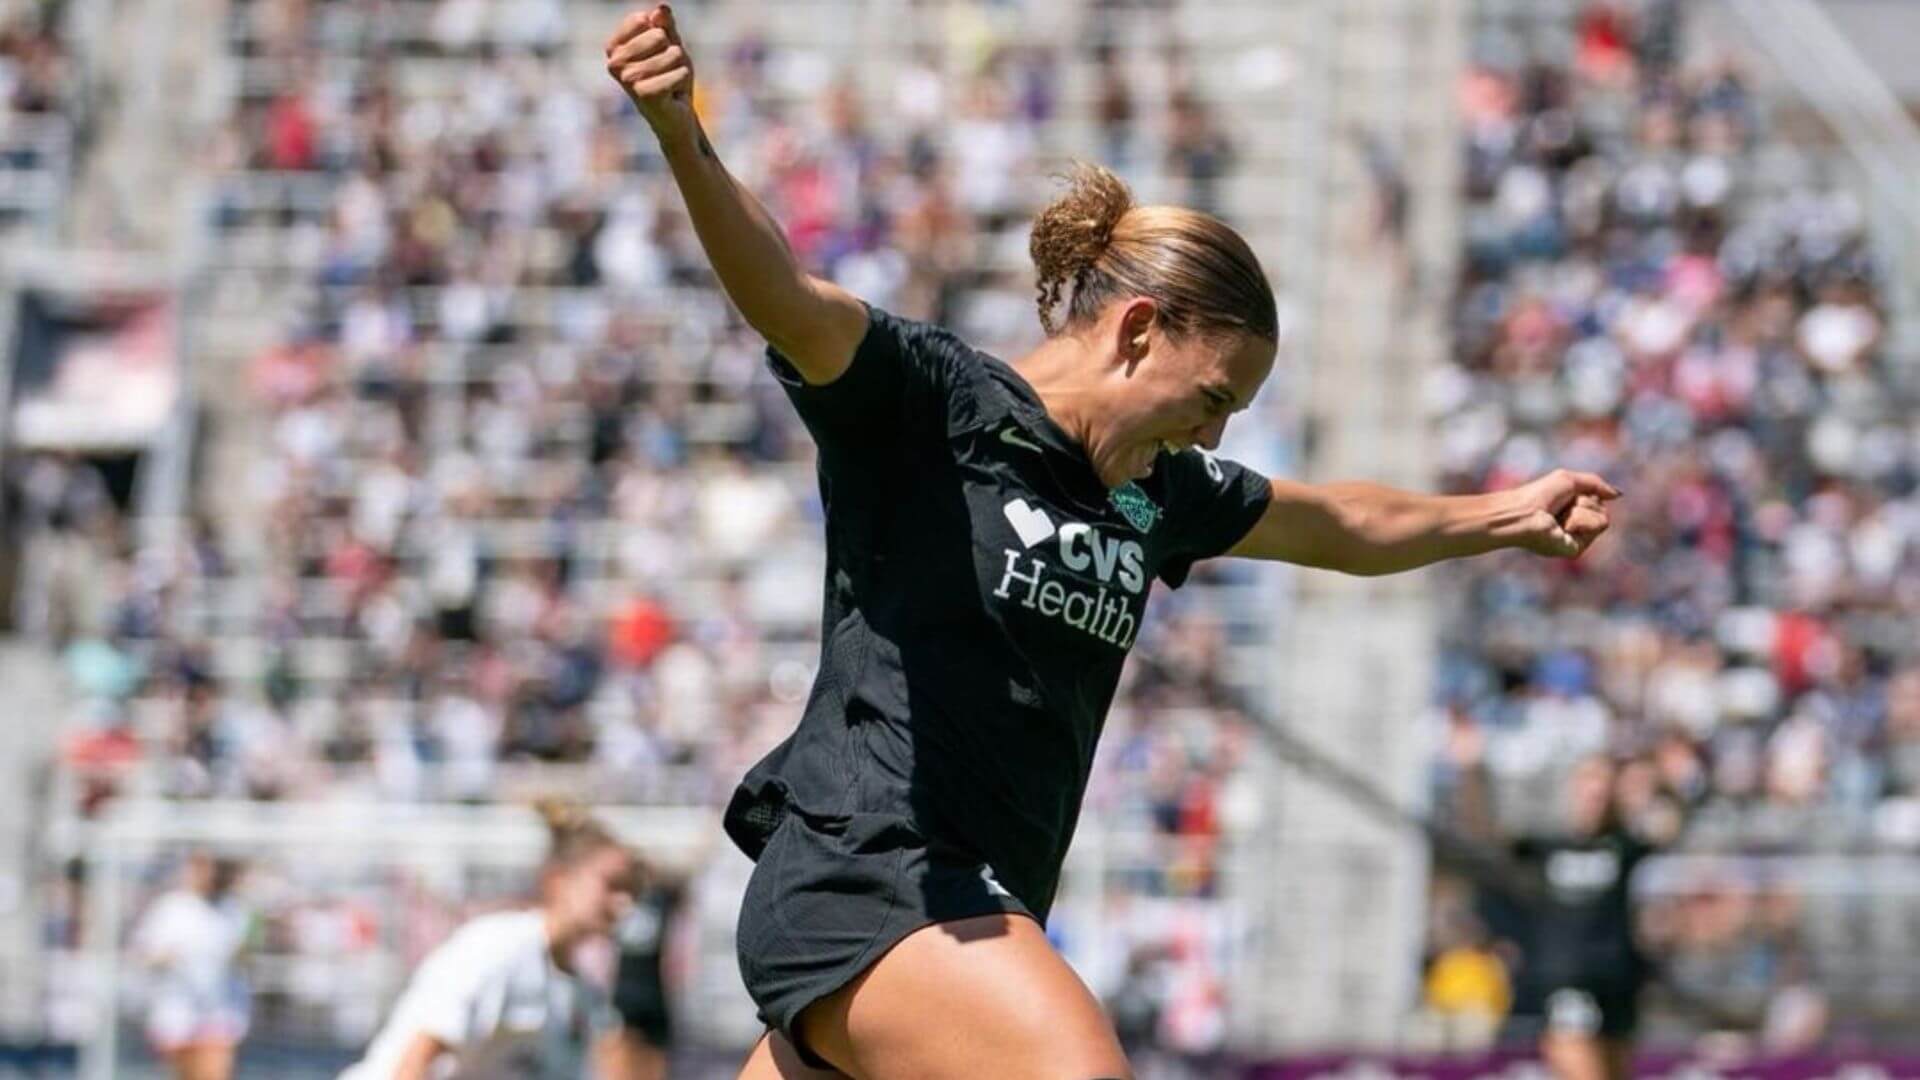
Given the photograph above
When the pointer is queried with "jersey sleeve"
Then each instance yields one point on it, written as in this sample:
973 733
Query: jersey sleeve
451 988
157 932
902 380
1211 505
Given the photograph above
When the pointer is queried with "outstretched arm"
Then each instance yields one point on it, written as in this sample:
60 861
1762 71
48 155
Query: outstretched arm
1368 529
416 1063
815 324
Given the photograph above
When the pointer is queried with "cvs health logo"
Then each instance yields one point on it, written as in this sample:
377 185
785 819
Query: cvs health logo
1102 613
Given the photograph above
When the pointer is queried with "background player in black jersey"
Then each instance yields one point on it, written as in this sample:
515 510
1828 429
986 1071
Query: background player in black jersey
1581 970
993 531
639 1049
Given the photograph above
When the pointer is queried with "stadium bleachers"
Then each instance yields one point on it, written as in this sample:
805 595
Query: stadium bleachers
1659 291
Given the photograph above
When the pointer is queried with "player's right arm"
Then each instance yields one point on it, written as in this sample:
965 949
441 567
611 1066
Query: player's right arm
436 1013
416 1062
815 324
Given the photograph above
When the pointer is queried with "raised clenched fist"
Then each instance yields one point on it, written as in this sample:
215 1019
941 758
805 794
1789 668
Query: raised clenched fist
645 56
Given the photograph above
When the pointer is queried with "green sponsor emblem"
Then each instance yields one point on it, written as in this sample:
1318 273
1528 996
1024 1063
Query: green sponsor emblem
1134 505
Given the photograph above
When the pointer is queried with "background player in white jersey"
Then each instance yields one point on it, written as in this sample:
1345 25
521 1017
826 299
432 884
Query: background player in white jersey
190 938
501 996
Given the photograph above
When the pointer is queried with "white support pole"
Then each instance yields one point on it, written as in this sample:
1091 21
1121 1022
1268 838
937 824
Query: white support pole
100 1056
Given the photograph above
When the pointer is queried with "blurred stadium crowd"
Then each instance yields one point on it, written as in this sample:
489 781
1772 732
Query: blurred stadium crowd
1650 295
33 68
37 116
528 514
524 512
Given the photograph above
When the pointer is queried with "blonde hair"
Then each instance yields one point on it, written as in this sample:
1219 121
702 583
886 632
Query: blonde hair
573 834
1094 245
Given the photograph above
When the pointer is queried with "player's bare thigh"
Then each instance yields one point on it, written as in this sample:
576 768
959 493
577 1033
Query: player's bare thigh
203 1061
986 996
1585 1057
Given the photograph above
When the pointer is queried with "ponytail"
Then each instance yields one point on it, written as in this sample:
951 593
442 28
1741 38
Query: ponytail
1092 245
573 833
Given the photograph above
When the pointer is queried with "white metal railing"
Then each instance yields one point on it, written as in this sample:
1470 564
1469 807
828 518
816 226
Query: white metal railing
337 839
1846 923
509 782
450 859
827 25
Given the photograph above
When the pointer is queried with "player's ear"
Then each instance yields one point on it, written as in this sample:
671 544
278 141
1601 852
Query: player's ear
1134 330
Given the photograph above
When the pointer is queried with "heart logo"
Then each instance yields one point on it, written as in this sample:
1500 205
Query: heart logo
1030 523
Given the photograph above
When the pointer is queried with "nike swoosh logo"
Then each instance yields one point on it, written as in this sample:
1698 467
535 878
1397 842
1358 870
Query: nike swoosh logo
1011 436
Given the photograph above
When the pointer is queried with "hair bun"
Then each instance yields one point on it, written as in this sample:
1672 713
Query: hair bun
561 815
1073 231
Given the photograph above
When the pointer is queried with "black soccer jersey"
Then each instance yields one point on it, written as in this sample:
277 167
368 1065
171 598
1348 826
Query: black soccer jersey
1584 933
982 590
639 984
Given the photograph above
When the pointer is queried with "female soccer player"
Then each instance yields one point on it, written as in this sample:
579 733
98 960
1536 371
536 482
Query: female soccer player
500 996
1581 969
191 939
641 1047
992 532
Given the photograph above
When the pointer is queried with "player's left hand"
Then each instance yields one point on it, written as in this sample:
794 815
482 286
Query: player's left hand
1560 514
647 58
